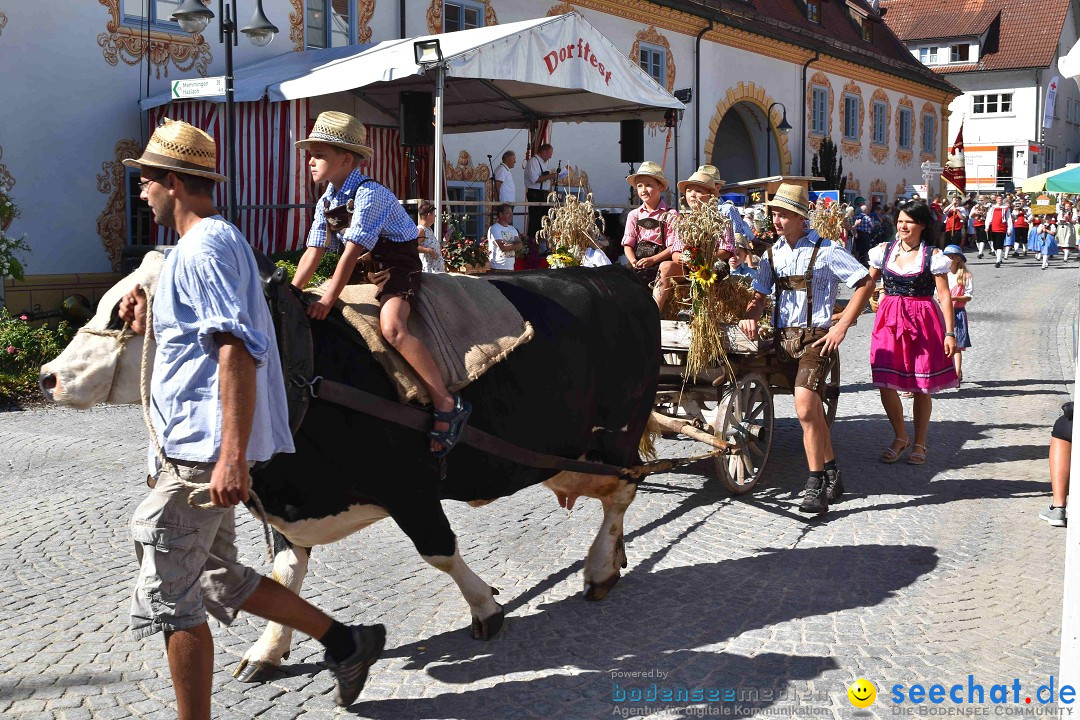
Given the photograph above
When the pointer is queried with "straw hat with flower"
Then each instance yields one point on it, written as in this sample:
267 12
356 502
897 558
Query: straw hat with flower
652 170
340 130
791 197
706 176
178 147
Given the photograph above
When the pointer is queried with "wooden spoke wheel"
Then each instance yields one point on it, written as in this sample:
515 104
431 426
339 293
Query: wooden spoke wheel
744 418
832 388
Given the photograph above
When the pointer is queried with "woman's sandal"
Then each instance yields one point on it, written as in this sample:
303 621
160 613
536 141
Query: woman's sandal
891 454
456 418
916 457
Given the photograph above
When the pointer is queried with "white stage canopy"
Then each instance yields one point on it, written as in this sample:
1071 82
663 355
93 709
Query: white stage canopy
559 68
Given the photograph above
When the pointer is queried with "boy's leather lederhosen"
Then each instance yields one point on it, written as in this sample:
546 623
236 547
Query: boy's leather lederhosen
396 257
794 344
646 248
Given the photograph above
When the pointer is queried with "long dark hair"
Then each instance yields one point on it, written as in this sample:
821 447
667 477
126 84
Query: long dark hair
920 212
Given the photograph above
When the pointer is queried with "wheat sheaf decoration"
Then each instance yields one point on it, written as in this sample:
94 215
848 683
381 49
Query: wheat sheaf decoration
570 228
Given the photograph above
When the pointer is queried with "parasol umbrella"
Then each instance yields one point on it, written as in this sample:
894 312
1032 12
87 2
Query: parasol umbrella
1038 183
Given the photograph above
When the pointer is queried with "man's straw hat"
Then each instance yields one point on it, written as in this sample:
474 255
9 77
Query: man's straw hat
707 176
181 148
340 130
649 169
791 197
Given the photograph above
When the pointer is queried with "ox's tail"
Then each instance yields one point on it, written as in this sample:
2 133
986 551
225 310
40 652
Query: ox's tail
647 444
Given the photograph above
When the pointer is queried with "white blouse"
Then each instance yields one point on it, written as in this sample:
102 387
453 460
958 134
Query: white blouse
939 262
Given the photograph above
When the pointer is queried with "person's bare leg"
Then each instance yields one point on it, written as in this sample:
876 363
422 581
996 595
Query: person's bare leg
665 285
1060 456
277 603
191 664
923 405
958 362
894 410
815 430
393 319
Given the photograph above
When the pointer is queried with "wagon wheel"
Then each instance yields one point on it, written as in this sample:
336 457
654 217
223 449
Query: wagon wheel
744 417
832 388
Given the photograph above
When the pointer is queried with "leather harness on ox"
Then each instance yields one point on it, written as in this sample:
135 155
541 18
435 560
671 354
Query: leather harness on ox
292 326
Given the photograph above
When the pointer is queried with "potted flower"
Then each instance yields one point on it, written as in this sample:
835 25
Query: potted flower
462 254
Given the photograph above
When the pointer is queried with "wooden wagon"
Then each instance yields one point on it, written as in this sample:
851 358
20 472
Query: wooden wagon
736 415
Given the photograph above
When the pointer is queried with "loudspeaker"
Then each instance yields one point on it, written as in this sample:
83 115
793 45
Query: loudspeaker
631 141
416 120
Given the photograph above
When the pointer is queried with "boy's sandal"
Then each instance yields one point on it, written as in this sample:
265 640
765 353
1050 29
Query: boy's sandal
917 457
891 454
456 418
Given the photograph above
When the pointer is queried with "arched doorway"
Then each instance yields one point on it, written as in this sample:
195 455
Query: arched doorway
739 150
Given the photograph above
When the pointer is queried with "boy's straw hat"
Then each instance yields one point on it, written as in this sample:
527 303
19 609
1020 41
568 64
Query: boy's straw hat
649 169
707 176
179 147
791 197
340 130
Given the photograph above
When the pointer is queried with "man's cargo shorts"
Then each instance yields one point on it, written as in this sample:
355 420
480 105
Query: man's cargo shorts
187 558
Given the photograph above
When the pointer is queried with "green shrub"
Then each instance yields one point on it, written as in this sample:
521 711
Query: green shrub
323 272
23 350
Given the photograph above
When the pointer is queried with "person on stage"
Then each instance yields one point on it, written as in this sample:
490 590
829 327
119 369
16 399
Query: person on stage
538 183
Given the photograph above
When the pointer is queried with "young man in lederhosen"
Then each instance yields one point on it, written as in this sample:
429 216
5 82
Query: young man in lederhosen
359 215
802 271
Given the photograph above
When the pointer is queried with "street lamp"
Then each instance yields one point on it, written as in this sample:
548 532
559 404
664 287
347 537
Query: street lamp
193 17
783 127
428 54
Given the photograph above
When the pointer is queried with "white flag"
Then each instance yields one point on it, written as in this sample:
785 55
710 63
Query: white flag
1051 98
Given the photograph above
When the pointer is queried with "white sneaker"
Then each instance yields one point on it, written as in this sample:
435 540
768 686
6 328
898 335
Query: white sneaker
1055 516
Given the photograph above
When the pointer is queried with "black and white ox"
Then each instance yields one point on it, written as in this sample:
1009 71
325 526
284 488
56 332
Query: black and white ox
582 388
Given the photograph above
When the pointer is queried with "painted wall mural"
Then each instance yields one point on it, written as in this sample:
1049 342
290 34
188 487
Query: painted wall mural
296 25
464 171
561 9
129 44
112 222
3 22
435 16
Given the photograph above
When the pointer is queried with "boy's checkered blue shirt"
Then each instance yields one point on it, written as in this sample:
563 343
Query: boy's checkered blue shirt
377 213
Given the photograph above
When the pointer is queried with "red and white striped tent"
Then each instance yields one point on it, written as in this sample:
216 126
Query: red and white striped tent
523 74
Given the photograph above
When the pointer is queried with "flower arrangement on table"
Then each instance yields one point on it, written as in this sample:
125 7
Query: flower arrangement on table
462 254
570 229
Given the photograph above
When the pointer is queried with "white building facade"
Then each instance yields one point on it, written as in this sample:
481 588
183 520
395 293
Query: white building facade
71 112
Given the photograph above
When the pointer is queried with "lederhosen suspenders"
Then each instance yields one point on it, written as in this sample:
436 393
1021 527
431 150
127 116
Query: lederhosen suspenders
338 219
652 224
795 283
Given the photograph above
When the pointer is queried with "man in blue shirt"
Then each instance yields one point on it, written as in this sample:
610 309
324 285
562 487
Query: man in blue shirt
217 402
803 271
357 214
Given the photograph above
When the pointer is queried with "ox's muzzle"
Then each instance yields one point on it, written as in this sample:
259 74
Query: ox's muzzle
47 383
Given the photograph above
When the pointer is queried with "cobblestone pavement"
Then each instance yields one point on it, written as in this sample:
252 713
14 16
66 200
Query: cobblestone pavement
923 574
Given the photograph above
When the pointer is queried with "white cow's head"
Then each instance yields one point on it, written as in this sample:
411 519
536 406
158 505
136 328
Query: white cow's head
101 364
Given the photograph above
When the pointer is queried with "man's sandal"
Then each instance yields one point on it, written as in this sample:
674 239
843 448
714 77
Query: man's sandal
456 418
891 454
917 457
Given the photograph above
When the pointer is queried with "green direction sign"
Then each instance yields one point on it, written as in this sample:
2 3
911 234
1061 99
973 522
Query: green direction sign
198 87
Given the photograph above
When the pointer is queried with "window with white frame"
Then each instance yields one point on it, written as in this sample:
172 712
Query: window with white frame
462 15
819 116
904 119
928 55
992 104
929 133
813 11
851 117
959 53
881 115
331 23
653 60
457 191
136 12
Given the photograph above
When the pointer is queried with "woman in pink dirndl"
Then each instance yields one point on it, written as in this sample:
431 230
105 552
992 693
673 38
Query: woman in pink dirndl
913 341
